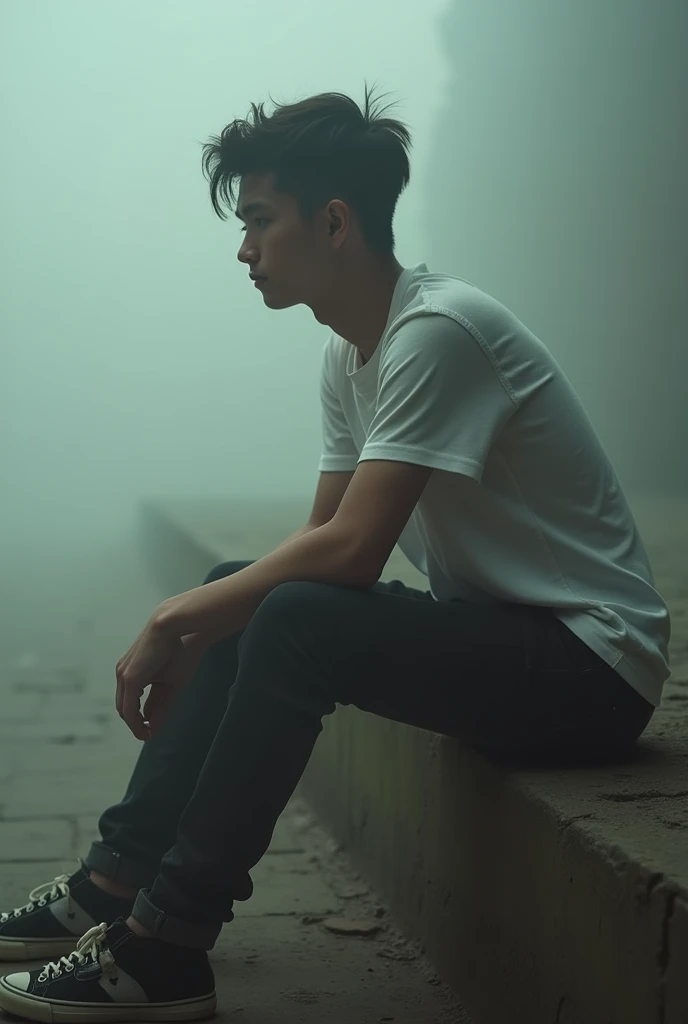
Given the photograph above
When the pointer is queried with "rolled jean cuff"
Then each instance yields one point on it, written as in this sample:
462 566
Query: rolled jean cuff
172 929
113 865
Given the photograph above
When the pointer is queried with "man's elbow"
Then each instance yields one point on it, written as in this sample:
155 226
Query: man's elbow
358 568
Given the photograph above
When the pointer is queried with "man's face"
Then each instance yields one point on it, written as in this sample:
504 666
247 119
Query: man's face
276 244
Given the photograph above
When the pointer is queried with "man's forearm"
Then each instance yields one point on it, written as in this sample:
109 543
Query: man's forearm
223 607
301 532
203 640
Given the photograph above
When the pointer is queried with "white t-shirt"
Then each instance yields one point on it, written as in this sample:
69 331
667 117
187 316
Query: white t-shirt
524 505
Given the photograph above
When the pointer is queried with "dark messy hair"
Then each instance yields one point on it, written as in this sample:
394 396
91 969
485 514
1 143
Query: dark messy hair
321 148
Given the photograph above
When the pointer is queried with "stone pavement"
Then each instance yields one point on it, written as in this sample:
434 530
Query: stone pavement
313 941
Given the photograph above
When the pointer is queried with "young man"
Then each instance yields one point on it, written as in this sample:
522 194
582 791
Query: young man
448 428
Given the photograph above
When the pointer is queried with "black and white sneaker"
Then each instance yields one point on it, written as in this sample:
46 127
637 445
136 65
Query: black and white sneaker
115 975
57 913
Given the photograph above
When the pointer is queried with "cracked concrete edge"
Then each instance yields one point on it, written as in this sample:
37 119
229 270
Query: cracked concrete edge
662 901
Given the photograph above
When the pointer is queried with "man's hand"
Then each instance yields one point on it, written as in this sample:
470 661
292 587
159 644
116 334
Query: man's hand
165 662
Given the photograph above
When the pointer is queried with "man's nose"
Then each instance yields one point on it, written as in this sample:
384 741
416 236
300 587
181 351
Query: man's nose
244 255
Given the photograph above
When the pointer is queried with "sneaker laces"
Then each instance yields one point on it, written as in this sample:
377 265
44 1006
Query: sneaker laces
41 895
88 948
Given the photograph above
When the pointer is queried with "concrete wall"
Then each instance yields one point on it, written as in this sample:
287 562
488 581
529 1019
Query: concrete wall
524 914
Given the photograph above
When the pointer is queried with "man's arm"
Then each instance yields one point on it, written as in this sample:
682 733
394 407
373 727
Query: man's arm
331 489
351 550
301 532
215 610
332 486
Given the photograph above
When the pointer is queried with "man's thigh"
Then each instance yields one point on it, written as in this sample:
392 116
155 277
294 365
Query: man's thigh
396 652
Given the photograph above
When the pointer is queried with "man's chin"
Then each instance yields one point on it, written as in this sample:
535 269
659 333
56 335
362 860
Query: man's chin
276 301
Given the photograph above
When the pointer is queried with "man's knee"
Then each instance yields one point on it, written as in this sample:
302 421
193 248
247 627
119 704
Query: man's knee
226 569
295 607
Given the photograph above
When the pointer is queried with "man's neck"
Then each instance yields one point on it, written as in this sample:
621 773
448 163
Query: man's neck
361 319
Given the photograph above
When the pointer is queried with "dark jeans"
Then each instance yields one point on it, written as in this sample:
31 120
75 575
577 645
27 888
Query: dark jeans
208 788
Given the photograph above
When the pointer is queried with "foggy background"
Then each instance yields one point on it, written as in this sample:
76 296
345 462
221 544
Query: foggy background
137 361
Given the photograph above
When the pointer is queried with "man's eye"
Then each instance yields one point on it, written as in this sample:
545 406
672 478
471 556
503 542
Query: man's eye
256 219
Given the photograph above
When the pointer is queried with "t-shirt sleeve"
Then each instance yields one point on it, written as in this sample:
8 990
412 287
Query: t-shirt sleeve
441 400
339 451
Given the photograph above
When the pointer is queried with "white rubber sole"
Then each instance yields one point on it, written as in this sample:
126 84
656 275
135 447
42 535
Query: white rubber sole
55 1011
37 949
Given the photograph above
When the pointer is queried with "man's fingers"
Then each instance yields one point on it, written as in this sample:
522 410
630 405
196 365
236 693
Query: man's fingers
121 685
155 707
119 675
131 711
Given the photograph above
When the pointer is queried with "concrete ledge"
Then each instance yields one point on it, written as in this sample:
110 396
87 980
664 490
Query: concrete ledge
548 896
